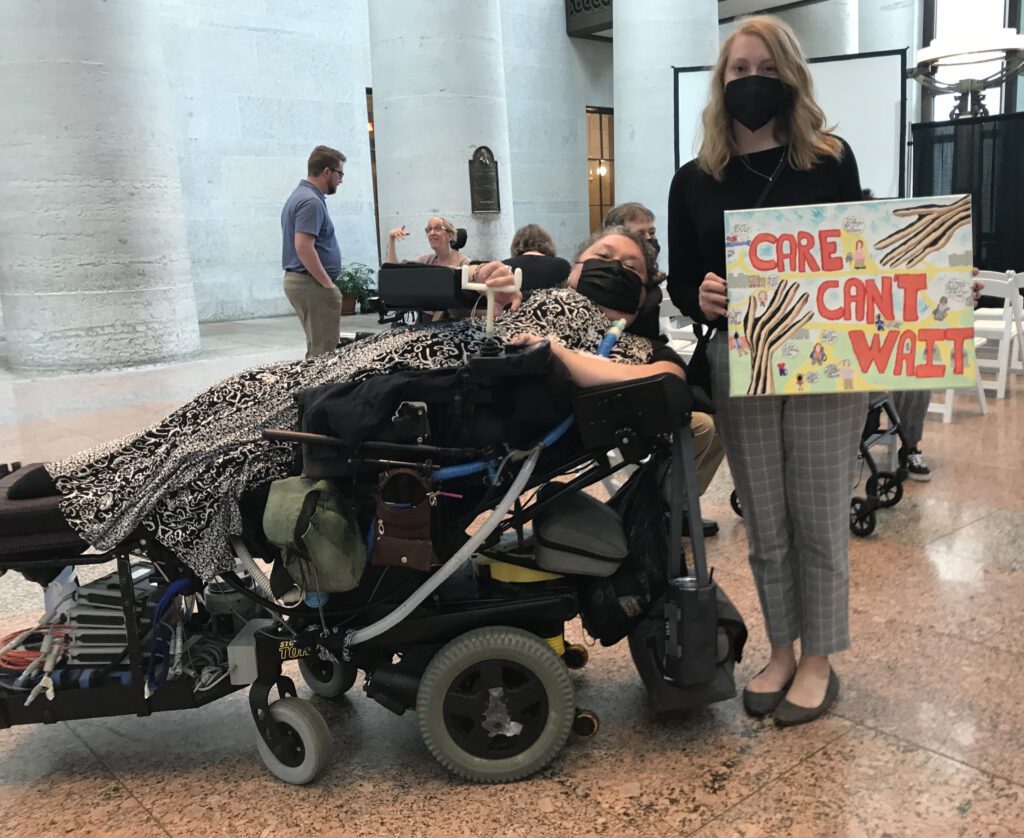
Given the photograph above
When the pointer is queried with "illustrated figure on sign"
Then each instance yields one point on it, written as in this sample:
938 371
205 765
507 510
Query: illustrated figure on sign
818 356
799 383
762 300
846 374
880 323
859 256
941 310
782 368
739 344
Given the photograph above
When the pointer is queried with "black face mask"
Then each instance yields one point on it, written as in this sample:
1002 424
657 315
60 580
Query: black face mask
654 243
611 284
754 101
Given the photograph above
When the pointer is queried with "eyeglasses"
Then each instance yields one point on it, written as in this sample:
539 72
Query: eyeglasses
339 173
437 228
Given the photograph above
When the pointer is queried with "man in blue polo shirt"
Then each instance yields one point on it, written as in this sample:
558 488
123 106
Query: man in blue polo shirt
310 254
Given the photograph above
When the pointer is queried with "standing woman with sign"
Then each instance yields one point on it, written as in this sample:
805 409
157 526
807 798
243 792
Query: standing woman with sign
765 143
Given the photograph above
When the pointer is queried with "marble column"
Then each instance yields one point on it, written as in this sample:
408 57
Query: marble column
438 94
893 24
826 28
94 269
649 39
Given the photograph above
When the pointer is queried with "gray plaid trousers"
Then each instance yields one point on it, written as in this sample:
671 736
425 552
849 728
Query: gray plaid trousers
793 460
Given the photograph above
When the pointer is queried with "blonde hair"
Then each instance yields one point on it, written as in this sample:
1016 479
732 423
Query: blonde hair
800 124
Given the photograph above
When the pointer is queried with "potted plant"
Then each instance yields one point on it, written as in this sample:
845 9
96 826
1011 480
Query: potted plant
355 284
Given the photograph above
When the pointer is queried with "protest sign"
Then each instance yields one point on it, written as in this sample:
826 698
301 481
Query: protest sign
850 297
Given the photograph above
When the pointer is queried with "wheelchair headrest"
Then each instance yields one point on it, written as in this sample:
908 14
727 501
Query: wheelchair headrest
460 239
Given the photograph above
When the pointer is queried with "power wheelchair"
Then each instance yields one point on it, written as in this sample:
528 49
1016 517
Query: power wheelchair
474 642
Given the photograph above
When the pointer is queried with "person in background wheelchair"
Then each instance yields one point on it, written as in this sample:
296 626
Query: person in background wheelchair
441 236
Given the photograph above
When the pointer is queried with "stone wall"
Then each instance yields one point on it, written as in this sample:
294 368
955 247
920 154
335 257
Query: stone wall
550 80
255 85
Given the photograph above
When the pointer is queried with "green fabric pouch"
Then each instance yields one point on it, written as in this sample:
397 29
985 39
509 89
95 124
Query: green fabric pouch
316 530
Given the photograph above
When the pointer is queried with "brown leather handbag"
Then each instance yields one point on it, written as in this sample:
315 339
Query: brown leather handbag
402 523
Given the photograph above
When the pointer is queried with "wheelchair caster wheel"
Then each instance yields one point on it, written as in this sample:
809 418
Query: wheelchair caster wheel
576 656
734 502
305 744
495 705
586 724
862 517
887 488
327 679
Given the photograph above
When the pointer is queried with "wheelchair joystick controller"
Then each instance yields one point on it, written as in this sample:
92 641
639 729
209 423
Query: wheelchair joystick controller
489 292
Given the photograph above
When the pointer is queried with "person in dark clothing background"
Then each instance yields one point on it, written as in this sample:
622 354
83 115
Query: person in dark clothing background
534 252
707 446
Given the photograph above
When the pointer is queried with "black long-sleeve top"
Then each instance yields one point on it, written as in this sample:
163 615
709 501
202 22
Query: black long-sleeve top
696 203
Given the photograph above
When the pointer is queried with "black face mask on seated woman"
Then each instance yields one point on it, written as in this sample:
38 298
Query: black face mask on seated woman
611 284
754 101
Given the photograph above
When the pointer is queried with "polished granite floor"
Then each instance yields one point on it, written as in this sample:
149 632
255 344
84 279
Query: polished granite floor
927 737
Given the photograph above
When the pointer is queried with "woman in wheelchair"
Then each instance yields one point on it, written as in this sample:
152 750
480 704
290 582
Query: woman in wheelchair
181 479
419 445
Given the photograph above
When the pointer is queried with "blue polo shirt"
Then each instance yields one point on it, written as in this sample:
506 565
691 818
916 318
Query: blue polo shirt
305 211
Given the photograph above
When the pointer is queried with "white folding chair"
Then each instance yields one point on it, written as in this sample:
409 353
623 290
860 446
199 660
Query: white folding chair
945 407
1002 328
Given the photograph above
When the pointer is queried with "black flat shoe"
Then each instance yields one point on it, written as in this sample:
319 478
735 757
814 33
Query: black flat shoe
761 704
788 714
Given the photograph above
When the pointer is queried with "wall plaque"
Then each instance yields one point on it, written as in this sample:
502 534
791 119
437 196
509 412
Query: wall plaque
483 181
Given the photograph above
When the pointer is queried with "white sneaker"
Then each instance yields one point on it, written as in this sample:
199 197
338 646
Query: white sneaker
917 468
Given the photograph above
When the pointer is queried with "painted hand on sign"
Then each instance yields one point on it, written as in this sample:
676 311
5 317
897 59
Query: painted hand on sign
934 227
767 331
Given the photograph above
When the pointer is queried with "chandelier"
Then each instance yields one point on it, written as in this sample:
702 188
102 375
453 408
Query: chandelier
1002 50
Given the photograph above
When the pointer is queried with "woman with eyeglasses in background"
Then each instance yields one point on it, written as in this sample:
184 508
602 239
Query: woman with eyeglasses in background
440 236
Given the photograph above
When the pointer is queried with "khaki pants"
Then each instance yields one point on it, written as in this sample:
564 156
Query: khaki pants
707 449
318 308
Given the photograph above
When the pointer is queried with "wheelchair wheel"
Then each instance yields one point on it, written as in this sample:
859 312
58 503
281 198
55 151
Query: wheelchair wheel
308 741
734 502
888 488
862 517
327 678
495 705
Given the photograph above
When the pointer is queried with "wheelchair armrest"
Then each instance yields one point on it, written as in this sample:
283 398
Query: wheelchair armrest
647 406
303 438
